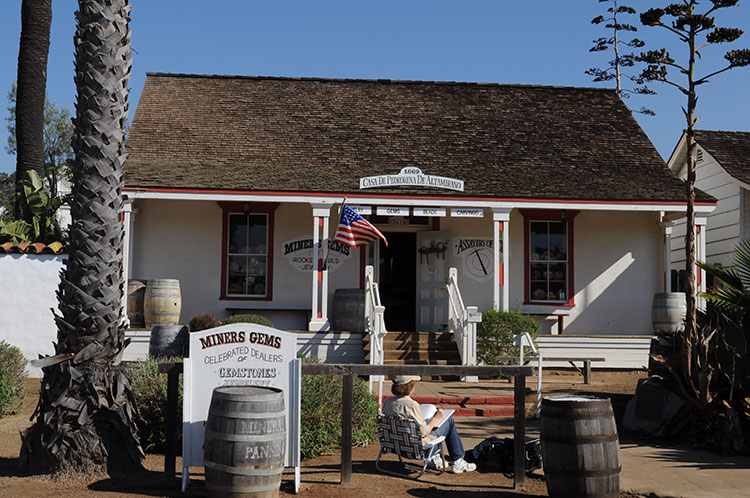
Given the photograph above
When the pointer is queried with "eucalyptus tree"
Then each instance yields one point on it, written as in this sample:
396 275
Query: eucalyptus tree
696 30
36 19
85 418
621 61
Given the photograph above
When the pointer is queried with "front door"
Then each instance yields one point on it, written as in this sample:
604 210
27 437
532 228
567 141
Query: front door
433 255
396 281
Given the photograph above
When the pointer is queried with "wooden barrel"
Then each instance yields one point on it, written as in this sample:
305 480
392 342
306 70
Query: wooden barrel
348 312
668 312
162 302
167 340
243 449
136 292
580 448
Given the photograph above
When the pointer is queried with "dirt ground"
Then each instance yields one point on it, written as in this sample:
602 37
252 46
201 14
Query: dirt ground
320 476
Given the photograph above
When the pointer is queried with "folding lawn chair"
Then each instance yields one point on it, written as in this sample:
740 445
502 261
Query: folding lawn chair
402 437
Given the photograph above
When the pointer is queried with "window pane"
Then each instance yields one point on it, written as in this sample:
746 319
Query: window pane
539 240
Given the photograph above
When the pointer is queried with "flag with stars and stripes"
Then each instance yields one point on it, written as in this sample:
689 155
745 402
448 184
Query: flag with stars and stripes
353 230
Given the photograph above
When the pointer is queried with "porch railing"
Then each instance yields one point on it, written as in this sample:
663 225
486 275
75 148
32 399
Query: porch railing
374 325
462 321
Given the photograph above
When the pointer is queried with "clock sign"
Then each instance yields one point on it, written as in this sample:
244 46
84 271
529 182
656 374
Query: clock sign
476 255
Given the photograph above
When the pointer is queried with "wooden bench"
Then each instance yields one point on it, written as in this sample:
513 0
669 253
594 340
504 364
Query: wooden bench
586 372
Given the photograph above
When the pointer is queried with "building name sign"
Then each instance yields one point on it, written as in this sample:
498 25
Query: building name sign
411 177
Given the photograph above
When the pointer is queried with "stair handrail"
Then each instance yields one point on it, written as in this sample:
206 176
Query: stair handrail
462 322
374 325
523 340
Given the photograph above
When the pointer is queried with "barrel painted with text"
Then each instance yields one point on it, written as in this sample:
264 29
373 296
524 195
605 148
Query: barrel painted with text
244 444
162 302
580 447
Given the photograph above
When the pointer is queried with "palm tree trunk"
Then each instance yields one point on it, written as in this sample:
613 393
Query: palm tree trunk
36 18
86 411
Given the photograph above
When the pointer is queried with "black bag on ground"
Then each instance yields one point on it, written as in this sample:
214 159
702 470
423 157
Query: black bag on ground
496 452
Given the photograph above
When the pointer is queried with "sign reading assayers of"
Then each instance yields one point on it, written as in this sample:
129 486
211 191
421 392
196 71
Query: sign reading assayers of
411 177
238 354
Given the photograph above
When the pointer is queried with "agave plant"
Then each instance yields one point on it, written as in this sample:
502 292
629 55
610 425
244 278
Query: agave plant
710 367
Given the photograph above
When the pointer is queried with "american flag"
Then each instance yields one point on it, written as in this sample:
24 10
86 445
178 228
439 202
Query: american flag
353 230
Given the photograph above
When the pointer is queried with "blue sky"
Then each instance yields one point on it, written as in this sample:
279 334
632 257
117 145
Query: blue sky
541 42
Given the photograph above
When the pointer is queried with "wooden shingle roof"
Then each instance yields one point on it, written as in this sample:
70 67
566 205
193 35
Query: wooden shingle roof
730 148
322 135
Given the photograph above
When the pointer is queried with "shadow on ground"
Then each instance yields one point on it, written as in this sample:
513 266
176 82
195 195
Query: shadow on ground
145 484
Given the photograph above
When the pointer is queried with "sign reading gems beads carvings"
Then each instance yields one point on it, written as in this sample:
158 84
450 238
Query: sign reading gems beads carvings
411 177
239 354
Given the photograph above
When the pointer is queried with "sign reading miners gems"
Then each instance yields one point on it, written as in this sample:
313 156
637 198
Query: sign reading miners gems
238 354
299 252
411 177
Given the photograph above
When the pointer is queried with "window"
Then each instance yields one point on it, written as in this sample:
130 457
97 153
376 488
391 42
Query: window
247 251
247 255
549 257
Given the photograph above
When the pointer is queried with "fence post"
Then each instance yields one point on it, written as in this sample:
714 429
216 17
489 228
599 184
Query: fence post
347 403
519 432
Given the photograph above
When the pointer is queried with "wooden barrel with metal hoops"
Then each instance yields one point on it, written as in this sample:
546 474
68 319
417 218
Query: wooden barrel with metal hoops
580 447
162 302
244 445
136 291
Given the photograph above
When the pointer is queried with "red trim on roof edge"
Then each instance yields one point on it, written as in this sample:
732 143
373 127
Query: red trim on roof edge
406 196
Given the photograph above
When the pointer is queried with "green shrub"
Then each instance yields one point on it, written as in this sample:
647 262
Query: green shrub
248 318
203 322
150 389
495 334
12 378
321 414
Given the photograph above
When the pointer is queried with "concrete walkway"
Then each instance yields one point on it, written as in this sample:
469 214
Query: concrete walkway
666 470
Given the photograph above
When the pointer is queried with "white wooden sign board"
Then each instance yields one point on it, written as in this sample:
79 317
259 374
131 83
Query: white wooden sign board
411 177
393 211
239 354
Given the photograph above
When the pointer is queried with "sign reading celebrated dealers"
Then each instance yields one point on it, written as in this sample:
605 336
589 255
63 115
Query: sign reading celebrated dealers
476 255
299 252
238 354
411 177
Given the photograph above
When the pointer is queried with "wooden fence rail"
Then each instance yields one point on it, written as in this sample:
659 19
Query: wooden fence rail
519 374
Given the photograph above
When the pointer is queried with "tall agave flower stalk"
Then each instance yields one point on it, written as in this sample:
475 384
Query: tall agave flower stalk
86 412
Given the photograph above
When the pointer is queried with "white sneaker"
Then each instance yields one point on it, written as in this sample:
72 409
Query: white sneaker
462 465
436 463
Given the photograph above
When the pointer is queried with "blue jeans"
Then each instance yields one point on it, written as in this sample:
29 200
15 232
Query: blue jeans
452 441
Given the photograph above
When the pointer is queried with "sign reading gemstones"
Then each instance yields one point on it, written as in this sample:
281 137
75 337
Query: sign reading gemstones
241 354
299 252
411 177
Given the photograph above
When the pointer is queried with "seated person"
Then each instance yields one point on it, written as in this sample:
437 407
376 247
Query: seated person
402 405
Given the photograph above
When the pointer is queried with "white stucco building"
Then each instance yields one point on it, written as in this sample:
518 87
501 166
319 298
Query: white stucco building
547 200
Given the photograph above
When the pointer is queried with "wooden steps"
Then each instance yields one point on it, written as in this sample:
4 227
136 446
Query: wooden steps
417 348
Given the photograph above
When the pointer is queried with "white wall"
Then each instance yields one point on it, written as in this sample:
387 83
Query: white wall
27 292
182 239
723 228
618 263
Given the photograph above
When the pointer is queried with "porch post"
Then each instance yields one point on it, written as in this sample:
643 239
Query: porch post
500 220
700 255
666 231
127 221
319 319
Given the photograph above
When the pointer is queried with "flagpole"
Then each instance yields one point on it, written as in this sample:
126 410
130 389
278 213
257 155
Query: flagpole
328 249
